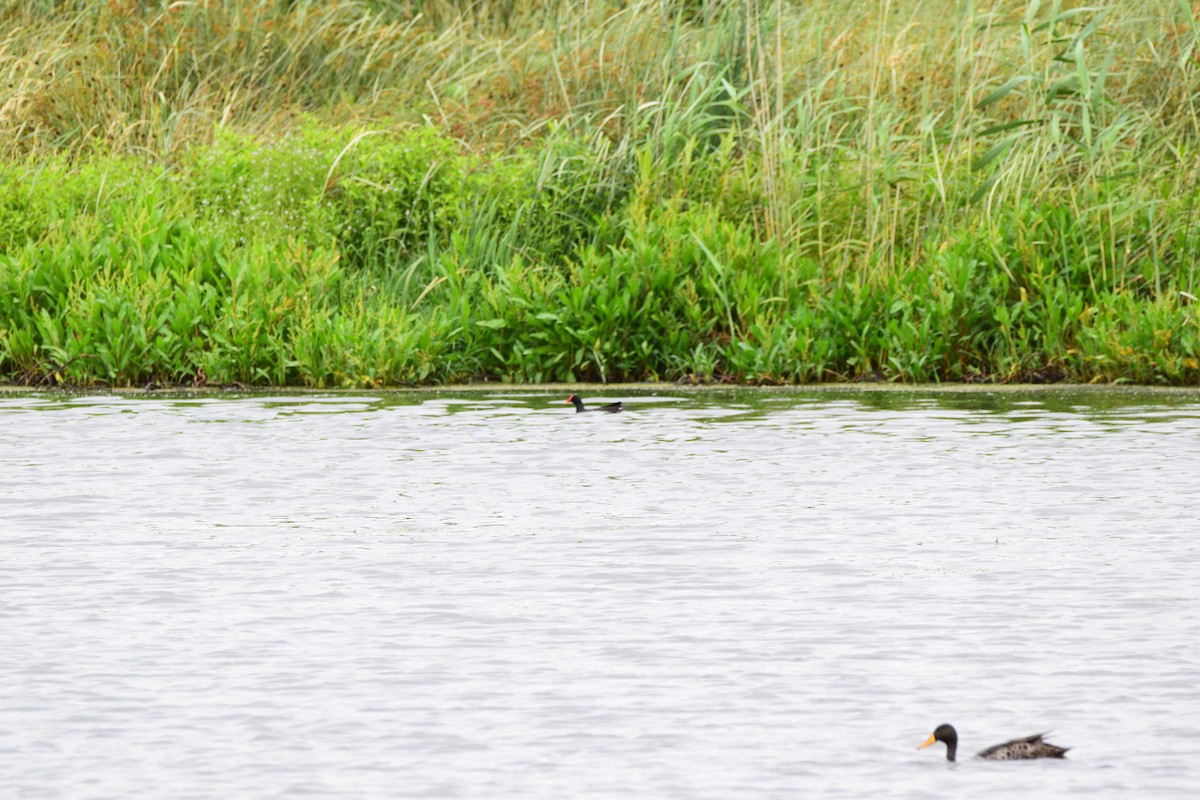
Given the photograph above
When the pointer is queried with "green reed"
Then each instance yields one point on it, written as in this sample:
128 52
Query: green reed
377 193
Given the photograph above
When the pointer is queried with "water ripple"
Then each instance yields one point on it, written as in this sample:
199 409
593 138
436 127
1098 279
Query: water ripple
725 594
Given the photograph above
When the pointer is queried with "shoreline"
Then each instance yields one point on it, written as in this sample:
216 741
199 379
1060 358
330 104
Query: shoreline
610 388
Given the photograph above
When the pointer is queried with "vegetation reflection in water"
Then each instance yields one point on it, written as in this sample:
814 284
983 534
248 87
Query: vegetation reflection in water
737 403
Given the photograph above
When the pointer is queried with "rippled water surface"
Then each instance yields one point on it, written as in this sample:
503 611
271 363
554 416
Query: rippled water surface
485 595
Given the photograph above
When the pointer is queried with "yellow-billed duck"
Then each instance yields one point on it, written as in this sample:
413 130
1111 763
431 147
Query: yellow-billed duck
1017 749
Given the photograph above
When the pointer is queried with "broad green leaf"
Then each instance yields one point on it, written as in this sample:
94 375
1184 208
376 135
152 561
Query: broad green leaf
1007 126
1066 86
995 151
984 188
1003 91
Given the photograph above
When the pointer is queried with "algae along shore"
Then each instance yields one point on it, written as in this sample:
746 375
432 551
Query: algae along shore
374 194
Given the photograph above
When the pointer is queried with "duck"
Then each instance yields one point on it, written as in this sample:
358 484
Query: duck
611 408
1017 749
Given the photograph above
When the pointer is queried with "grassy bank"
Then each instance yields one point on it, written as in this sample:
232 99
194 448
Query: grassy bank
382 193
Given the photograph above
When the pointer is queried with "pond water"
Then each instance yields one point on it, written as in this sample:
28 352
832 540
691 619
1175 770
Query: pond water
484 595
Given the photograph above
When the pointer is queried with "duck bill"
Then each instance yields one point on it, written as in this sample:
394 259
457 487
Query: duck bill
928 742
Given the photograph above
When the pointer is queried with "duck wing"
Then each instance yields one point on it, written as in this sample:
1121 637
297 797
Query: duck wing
611 408
1027 747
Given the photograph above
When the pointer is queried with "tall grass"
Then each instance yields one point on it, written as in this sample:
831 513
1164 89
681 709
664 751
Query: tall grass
370 193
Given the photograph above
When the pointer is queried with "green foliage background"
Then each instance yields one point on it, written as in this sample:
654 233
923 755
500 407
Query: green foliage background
382 193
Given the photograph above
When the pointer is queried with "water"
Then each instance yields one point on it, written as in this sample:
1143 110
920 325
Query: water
714 595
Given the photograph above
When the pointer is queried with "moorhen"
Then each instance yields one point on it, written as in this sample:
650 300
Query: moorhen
611 408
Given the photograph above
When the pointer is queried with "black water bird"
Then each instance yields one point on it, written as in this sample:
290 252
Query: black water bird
611 408
1017 749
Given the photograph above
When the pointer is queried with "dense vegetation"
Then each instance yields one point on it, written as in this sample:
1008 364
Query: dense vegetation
377 193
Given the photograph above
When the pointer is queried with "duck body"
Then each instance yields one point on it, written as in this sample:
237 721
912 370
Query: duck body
1028 747
1022 749
611 408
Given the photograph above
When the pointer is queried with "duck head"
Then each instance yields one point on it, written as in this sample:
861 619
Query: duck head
945 733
